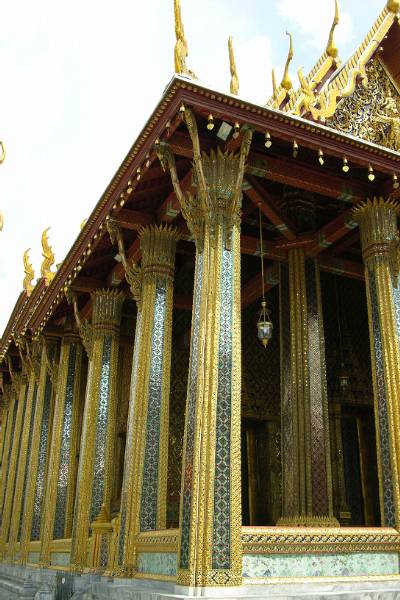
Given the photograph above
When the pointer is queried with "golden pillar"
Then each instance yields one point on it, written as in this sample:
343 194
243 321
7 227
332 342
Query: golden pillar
12 406
53 519
20 384
144 491
33 367
38 455
210 548
377 219
306 464
95 471
4 411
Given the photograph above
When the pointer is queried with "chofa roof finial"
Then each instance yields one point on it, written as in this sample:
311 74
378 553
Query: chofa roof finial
274 86
29 273
286 81
181 45
48 258
234 75
331 48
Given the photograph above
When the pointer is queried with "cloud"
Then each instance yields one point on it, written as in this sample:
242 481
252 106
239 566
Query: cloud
312 19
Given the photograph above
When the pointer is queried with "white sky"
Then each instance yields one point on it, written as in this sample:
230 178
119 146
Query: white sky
79 79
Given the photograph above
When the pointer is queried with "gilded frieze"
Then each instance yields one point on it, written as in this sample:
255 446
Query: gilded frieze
372 113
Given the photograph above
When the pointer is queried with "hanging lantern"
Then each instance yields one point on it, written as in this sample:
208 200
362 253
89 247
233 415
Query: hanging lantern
344 379
265 327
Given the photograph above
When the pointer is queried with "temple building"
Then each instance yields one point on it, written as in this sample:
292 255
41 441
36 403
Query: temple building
204 398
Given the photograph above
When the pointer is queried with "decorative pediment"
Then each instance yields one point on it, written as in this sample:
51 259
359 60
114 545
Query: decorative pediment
372 112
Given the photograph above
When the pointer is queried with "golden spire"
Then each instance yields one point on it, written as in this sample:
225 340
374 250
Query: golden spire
274 86
286 81
331 48
48 256
29 274
393 6
181 45
234 75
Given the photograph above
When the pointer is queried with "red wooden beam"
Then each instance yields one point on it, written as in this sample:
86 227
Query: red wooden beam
346 268
170 208
332 232
260 197
291 172
133 219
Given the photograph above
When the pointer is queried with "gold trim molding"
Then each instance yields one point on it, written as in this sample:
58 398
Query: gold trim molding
295 540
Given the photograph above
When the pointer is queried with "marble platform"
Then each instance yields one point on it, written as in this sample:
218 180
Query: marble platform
29 583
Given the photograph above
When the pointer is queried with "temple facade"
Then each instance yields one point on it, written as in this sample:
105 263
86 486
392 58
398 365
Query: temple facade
204 397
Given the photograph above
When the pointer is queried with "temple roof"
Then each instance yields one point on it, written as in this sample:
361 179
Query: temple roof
329 81
290 153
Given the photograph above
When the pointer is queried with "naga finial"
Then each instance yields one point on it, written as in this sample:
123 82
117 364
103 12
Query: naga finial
274 86
286 81
48 256
181 46
331 48
232 62
29 273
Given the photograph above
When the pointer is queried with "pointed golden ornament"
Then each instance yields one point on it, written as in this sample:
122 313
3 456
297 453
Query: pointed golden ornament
331 48
48 256
2 152
29 273
234 76
274 85
181 46
286 81
393 6
1 221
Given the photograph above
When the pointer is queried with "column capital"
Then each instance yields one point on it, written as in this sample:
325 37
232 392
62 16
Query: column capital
377 218
107 307
158 245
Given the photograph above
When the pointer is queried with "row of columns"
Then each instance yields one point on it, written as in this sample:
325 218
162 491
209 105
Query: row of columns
50 496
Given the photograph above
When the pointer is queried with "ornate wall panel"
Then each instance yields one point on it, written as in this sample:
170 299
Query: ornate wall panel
372 113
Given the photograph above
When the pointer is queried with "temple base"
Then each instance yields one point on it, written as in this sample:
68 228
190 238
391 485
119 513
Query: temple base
48 584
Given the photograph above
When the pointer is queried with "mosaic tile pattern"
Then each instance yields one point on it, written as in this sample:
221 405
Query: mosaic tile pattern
191 418
157 563
65 448
396 300
101 430
286 393
320 565
41 468
60 559
28 453
33 558
129 440
384 441
14 416
148 508
19 451
221 552
318 395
